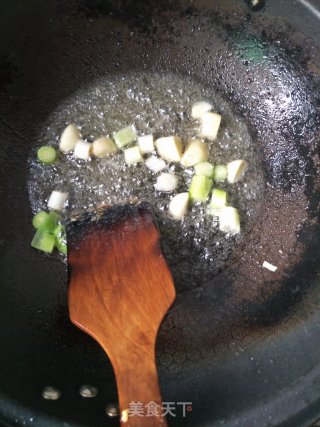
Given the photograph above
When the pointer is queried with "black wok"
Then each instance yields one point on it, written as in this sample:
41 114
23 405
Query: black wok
242 346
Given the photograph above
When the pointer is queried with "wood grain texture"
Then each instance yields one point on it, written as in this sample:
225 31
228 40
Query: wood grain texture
120 288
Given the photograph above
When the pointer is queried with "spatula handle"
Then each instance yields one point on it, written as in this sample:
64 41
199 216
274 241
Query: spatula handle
138 389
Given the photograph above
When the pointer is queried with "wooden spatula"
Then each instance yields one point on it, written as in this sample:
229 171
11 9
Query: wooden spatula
120 288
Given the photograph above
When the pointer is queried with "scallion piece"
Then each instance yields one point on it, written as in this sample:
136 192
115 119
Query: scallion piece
205 169
125 136
52 222
43 241
60 231
199 188
47 155
40 219
44 221
54 219
61 245
220 173
61 238
219 198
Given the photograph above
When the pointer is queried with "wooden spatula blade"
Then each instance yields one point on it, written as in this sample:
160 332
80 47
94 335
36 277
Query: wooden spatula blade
120 288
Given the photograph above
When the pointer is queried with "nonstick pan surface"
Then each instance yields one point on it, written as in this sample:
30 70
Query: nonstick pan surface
241 345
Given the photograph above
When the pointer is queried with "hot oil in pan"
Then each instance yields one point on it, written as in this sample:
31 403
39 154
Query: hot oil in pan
158 104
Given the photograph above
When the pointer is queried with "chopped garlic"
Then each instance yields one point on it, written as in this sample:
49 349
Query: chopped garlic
69 137
199 108
179 205
169 148
236 170
210 123
196 152
220 173
269 266
199 189
166 182
218 199
82 150
57 200
216 212
229 220
133 155
103 147
155 164
146 144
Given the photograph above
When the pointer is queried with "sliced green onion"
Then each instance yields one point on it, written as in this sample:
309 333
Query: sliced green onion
44 221
40 219
43 241
60 231
220 173
61 238
52 222
199 188
229 220
219 198
61 245
125 136
205 169
47 155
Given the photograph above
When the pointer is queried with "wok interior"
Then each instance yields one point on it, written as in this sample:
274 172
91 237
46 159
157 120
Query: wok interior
62 46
